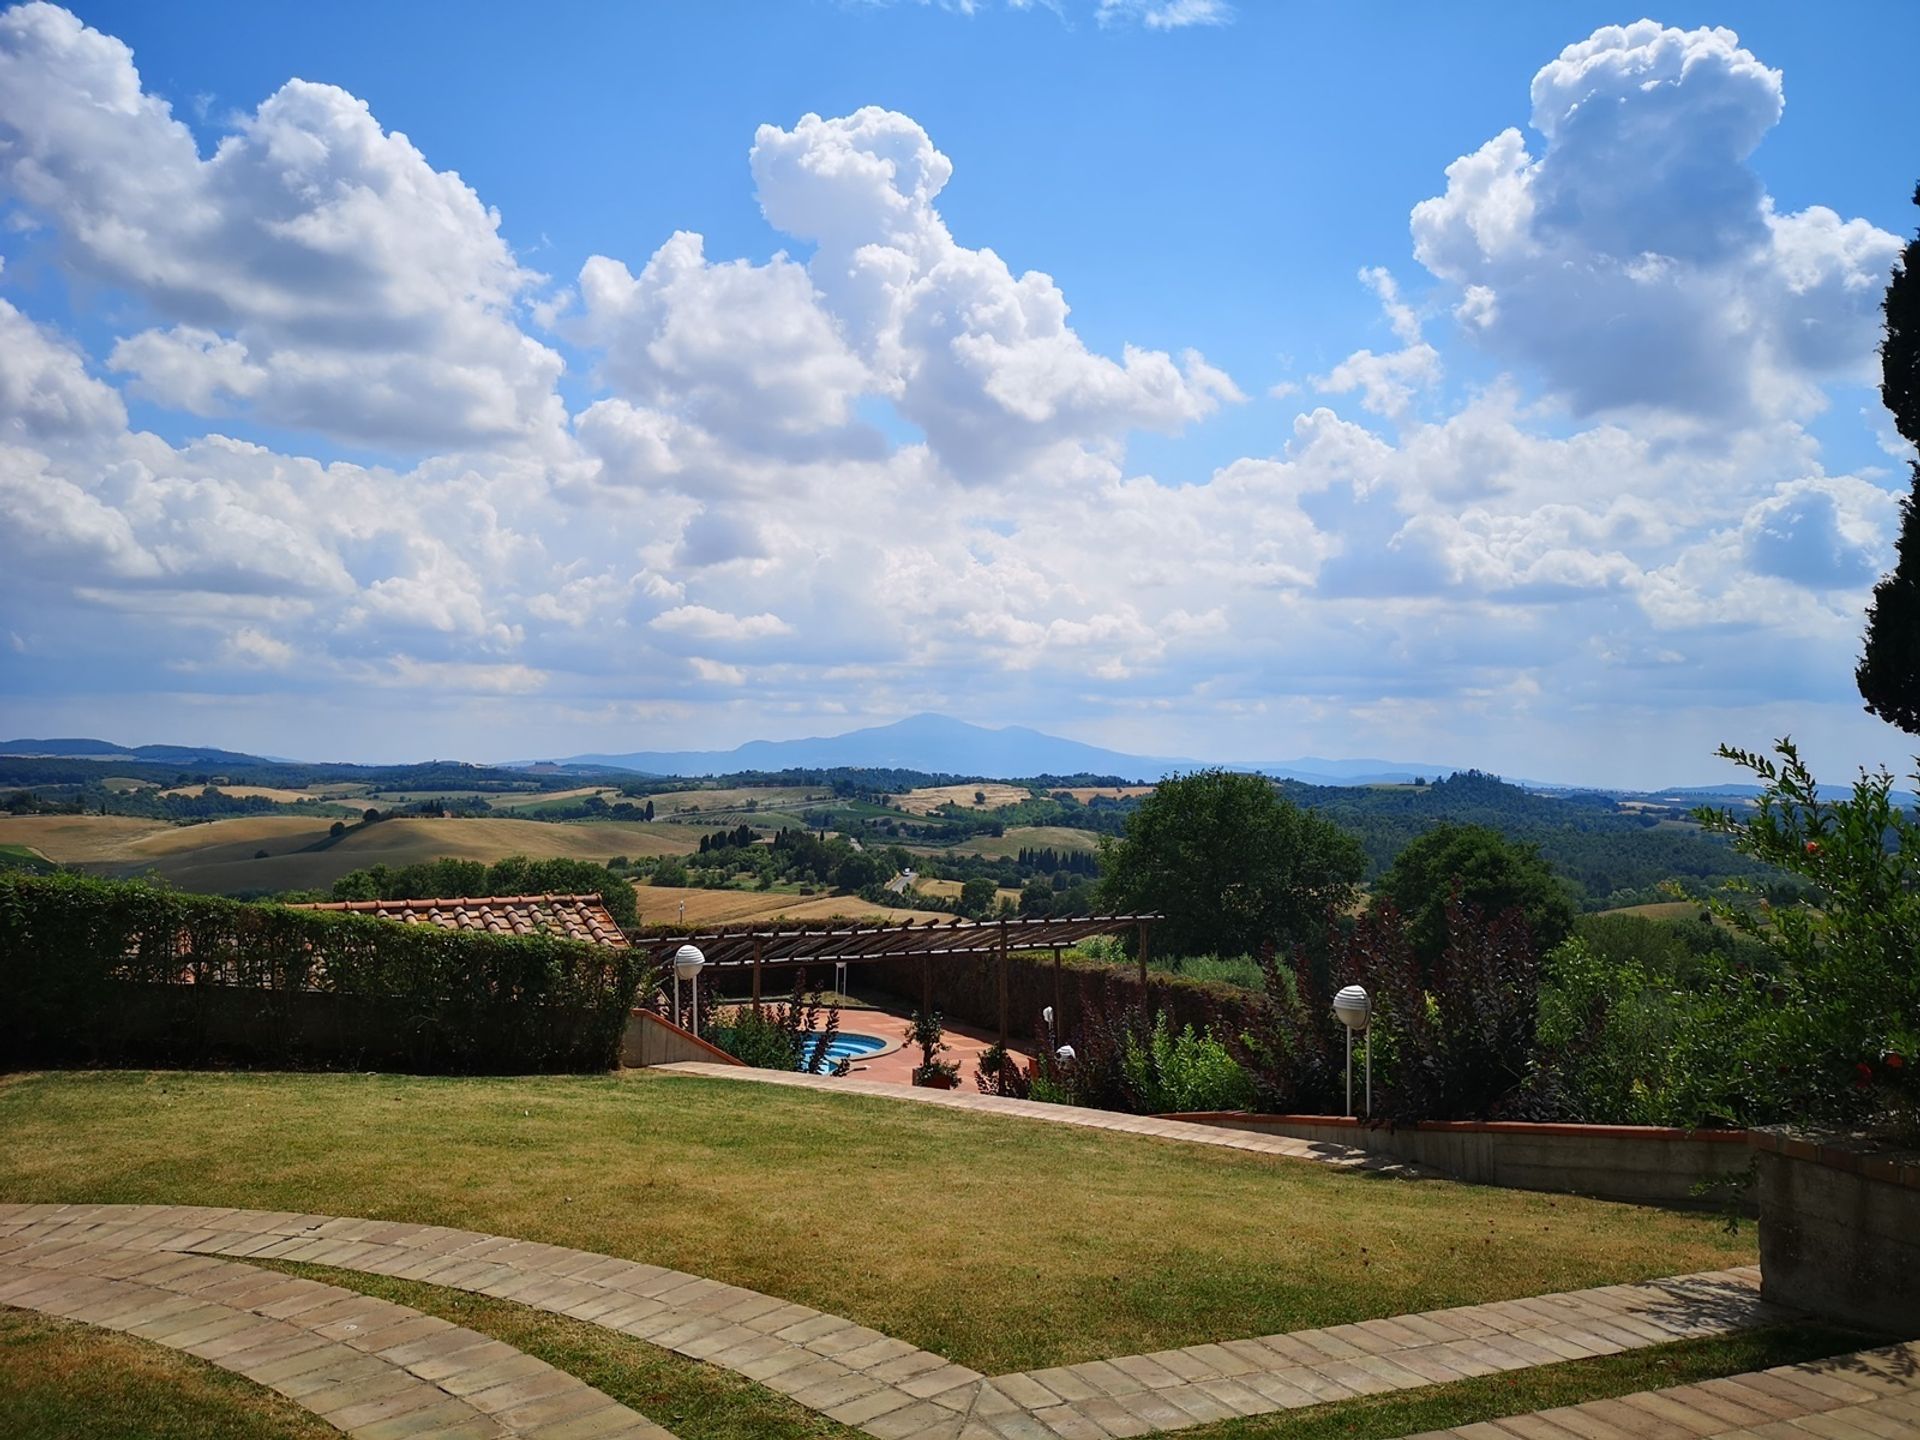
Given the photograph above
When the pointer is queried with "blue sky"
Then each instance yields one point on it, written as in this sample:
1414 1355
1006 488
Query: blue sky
1035 381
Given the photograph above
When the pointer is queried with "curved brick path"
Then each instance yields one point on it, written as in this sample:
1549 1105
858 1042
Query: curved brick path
1344 1157
884 1386
1872 1395
376 1370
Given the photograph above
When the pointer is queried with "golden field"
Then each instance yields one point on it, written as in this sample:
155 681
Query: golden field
1037 837
950 890
222 856
660 905
929 798
1084 793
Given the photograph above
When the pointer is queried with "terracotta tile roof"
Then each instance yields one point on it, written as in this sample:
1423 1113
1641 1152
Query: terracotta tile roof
564 917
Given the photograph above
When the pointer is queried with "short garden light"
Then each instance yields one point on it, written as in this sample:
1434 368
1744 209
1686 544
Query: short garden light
1064 1054
688 962
1353 1007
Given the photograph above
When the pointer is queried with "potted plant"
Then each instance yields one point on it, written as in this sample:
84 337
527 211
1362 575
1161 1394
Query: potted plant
926 1031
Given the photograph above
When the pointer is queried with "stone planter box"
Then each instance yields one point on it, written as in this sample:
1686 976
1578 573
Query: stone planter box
1840 1230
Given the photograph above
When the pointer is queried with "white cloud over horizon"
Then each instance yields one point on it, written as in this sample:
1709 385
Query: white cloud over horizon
883 471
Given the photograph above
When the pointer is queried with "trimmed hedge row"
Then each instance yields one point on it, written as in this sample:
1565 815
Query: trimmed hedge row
104 973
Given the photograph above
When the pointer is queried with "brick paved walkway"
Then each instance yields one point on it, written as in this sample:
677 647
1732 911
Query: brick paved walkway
1139 1394
888 1388
1873 1395
375 1370
1343 1156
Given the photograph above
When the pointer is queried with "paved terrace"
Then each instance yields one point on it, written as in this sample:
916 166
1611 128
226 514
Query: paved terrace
62 1258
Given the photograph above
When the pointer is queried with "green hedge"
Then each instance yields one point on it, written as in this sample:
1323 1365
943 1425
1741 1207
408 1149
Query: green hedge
98 972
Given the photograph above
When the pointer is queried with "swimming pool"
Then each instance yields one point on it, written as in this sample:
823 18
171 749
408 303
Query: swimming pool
844 1047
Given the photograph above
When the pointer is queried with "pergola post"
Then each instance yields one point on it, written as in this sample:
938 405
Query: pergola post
1003 984
926 986
1143 961
759 955
1058 1016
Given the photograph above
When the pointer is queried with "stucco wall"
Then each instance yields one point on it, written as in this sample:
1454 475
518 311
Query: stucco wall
653 1040
1840 1232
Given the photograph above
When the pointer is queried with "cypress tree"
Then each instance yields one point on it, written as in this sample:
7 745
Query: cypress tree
1889 671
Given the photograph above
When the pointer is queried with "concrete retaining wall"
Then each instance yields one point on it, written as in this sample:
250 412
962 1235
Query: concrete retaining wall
1644 1164
1840 1232
654 1040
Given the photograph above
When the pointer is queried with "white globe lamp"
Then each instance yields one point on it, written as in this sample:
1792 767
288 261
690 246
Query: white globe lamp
1353 1008
688 962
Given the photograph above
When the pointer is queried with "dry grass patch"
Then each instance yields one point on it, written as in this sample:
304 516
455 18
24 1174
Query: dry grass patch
1001 1243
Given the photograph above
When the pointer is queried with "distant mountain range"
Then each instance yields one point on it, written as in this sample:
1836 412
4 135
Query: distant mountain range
936 744
80 749
943 745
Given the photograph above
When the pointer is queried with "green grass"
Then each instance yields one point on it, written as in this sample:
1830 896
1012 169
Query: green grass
1000 1243
25 857
694 1400
59 1378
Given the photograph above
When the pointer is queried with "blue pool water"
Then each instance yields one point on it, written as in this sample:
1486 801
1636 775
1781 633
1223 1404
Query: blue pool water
847 1047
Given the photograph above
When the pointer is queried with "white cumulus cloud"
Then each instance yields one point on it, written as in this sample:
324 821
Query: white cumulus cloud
1638 263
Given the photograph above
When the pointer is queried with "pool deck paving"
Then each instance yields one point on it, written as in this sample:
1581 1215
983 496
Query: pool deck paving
849 1372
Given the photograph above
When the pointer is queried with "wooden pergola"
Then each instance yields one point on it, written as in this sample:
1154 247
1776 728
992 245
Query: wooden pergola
930 941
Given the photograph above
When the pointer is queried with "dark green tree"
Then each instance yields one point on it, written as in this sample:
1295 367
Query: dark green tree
976 897
1889 670
1491 874
856 872
1231 864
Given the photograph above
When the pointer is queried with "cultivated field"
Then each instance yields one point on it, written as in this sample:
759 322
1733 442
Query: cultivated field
106 842
275 793
950 890
660 905
552 797
930 798
1033 837
708 802
1663 910
222 856
1084 793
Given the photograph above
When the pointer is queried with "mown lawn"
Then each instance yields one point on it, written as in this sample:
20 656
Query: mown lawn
1003 1244
71 1381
